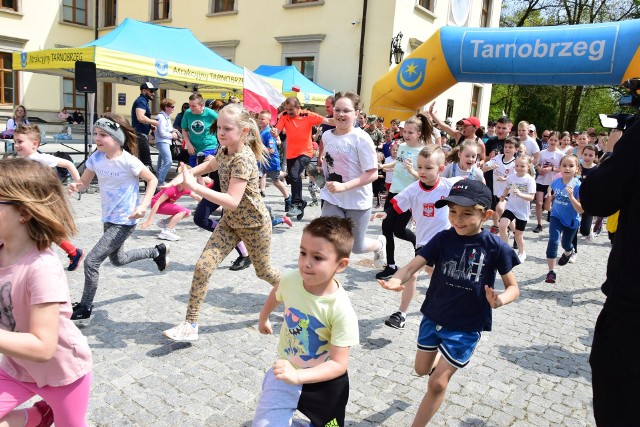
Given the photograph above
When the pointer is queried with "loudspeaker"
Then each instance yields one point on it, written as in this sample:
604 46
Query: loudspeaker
86 77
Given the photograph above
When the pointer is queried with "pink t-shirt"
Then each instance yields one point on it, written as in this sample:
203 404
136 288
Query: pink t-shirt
39 278
173 193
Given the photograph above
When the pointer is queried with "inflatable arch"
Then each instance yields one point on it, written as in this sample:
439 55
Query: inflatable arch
589 54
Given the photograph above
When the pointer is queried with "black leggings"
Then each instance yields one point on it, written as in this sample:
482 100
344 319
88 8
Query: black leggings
396 225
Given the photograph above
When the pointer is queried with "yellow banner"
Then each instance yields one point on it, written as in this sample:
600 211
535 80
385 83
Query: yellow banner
125 63
52 58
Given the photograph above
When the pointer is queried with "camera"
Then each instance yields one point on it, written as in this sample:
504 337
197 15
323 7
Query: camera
622 121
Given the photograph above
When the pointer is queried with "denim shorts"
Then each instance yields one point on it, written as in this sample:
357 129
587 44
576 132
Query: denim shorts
456 346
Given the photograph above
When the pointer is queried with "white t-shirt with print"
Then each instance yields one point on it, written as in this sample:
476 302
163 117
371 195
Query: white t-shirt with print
421 202
347 157
549 158
503 170
517 205
118 180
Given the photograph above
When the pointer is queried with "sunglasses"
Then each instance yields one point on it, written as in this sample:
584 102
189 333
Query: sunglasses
7 203
545 136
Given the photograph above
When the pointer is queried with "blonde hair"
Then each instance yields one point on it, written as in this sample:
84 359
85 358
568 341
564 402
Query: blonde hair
435 151
243 120
36 191
32 131
454 154
529 161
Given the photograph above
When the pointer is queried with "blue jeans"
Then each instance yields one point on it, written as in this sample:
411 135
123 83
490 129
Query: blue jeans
556 231
164 160
193 160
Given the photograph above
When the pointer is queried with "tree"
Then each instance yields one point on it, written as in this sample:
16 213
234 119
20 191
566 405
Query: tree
565 111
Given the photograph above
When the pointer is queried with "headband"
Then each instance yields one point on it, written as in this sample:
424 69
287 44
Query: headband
112 128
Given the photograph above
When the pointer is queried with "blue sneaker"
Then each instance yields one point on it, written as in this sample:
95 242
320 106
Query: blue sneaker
74 260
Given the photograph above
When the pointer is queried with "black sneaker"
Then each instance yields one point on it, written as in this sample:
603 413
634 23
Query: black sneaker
551 277
386 273
74 260
161 260
287 204
301 207
81 315
538 228
564 259
240 263
396 321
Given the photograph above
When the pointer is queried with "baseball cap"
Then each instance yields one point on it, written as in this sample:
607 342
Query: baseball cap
148 85
401 124
532 128
471 121
467 192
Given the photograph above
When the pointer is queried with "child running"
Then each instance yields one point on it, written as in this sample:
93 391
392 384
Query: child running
589 160
118 172
311 371
565 214
246 218
271 168
44 354
546 167
164 203
458 304
419 198
518 193
27 141
415 132
462 162
350 167
502 166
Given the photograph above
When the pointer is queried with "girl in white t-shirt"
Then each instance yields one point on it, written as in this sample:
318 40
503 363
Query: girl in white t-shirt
393 150
462 162
546 167
118 172
519 192
350 166
44 354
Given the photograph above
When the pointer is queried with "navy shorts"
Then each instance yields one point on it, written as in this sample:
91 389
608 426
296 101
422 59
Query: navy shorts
456 346
542 188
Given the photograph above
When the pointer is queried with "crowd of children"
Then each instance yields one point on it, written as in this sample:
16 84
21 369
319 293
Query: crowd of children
444 193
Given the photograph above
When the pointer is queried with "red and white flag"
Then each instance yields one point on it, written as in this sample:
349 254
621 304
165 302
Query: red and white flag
259 95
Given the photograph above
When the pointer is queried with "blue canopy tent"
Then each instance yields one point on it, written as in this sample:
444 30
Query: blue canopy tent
309 92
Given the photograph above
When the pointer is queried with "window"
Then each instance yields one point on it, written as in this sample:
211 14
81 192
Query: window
10 4
426 4
109 13
107 97
161 9
475 100
485 16
220 6
70 98
305 65
449 108
7 85
74 11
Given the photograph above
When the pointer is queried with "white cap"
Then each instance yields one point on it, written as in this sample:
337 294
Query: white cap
532 127
401 124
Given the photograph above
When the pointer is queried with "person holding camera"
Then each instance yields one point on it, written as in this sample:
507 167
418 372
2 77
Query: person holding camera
613 187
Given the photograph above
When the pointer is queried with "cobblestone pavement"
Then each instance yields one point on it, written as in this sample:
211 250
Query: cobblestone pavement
532 370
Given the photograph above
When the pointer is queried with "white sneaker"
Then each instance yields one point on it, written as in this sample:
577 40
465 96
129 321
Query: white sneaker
573 257
589 238
168 234
185 331
380 256
522 257
162 223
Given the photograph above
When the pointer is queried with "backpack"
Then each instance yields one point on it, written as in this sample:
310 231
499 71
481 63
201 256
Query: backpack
63 173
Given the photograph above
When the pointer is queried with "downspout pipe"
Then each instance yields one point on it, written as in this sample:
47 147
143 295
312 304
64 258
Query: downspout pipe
363 29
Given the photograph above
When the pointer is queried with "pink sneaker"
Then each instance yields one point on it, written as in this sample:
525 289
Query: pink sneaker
287 221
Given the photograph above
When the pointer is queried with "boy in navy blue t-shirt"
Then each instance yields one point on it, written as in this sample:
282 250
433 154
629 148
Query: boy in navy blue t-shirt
458 304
